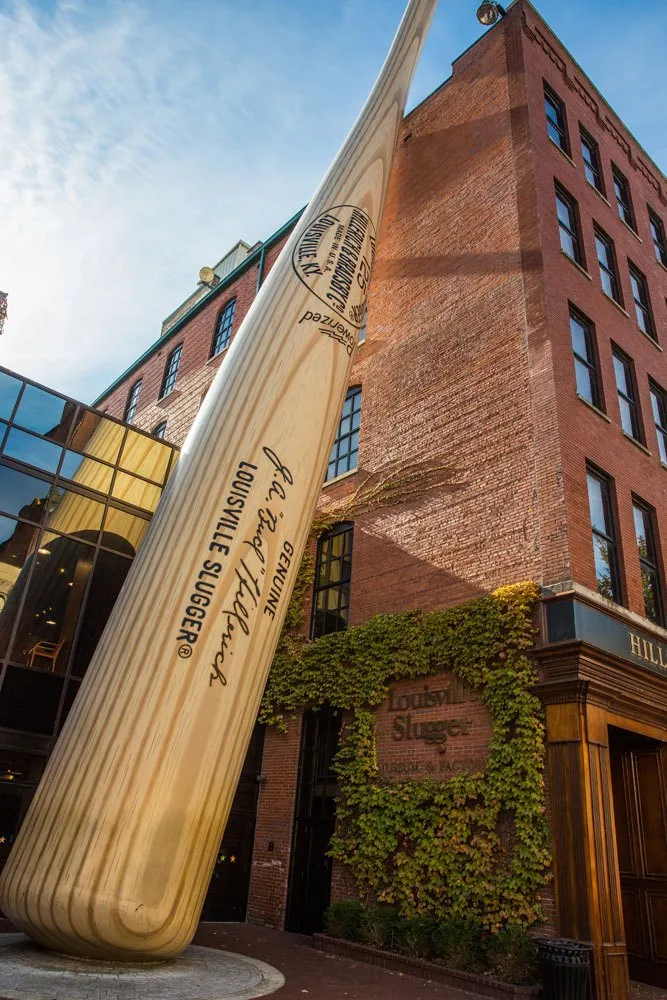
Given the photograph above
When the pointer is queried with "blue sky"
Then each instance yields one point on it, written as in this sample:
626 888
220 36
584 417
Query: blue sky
139 139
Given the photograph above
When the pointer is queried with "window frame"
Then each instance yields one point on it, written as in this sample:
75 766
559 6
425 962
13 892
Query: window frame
336 455
560 124
612 274
224 324
626 211
591 364
630 398
570 203
657 228
611 538
594 165
342 585
650 563
658 398
161 427
132 401
170 376
643 309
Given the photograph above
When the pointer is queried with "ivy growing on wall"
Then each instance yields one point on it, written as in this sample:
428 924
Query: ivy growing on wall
474 845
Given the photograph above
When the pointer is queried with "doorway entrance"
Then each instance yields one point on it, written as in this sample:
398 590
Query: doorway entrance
639 783
314 823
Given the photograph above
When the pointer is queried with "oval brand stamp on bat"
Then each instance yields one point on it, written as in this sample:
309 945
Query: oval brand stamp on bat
334 258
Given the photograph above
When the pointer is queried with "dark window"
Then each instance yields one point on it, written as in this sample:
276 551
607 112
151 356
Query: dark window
160 430
333 570
591 156
605 547
642 301
644 517
623 200
171 371
658 234
223 328
132 402
556 122
362 332
585 365
627 394
570 240
345 449
659 407
607 262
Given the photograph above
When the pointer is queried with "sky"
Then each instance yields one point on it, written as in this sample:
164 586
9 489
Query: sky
140 139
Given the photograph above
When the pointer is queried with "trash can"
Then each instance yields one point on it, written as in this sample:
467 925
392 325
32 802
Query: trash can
566 967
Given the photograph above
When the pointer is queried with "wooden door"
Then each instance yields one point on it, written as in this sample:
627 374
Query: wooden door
639 779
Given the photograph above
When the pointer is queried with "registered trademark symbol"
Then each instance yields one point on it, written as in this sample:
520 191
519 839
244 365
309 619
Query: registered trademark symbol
185 650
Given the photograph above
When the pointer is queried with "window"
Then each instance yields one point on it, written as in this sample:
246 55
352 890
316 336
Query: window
223 328
556 122
570 241
642 301
658 234
623 200
605 548
333 570
644 517
171 371
627 394
585 366
345 449
132 402
607 261
362 332
659 407
591 156
160 430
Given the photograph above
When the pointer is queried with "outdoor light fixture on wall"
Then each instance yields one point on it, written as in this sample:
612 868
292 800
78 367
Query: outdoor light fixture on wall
489 13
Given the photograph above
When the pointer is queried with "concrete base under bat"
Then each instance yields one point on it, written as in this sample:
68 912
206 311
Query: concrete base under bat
28 972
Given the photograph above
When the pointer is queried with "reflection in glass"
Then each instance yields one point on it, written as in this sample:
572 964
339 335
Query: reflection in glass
17 543
33 450
73 514
145 457
45 413
108 577
123 532
19 767
9 391
23 495
86 472
70 694
47 622
97 436
30 700
136 492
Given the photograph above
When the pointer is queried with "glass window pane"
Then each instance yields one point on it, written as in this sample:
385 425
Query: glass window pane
45 413
73 514
568 244
136 491
579 342
9 391
607 284
123 532
105 585
621 374
86 472
603 567
18 542
596 504
627 422
584 381
145 457
30 700
32 450
97 436
53 601
651 593
640 516
22 495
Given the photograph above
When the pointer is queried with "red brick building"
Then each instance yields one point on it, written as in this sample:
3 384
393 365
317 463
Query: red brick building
515 335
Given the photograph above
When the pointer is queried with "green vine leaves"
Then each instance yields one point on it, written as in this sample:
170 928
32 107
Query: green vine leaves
475 844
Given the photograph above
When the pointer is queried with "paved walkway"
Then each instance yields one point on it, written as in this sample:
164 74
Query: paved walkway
314 974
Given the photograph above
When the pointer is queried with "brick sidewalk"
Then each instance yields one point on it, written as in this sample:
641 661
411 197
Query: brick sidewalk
311 973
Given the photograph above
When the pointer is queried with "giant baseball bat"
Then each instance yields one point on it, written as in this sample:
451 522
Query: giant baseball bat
117 849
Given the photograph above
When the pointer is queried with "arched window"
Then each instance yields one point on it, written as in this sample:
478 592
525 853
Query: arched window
171 371
223 328
345 449
362 332
160 430
333 571
132 402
